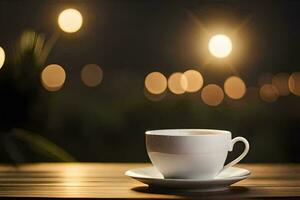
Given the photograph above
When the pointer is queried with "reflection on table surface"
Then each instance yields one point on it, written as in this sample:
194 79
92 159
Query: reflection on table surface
107 180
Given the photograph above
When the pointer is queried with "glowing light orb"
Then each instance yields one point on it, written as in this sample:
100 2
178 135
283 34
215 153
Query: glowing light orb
91 75
268 93
2 57
220 46
156 83
294 83
70 20
212 95
53 77
194 80
234 87
177 83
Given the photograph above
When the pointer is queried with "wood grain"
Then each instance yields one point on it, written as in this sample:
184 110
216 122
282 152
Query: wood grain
107 180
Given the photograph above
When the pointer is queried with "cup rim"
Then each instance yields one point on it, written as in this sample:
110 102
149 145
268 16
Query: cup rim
176 132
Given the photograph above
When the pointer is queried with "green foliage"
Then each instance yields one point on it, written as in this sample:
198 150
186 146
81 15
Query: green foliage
41 145
22 92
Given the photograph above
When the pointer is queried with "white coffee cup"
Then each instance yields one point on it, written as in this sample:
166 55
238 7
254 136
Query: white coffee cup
191 153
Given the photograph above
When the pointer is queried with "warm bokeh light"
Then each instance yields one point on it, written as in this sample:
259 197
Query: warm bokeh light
70 20
220 46
234 87
53 77
91 75
2 57
156 83
280 81
194 80
294 83
177 83
212 95
268 93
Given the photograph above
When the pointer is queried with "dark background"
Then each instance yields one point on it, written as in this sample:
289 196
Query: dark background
131 38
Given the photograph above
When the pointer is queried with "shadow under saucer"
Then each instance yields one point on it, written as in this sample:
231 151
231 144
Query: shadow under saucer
231 191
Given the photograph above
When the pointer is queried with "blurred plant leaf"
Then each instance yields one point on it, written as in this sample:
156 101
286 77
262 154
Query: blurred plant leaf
29 49
48 46
30 54
42 145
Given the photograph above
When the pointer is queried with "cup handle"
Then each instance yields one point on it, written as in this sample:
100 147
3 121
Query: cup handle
238 159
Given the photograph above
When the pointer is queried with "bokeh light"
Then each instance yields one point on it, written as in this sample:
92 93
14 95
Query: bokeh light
220 46
53 77
2 57
280 81
177 83
234 87
268 93
91 75
156 83
294 83
194 80
70 20
212 95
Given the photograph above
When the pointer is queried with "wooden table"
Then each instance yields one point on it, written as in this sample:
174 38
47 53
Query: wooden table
106 180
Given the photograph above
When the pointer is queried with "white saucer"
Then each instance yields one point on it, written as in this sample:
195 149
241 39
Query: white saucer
152 177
